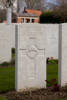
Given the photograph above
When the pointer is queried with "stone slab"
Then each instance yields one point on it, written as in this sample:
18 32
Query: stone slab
30 56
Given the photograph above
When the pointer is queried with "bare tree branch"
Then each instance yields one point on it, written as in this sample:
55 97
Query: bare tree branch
35 4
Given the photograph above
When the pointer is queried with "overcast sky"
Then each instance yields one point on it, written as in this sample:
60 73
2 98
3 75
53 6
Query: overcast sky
53 1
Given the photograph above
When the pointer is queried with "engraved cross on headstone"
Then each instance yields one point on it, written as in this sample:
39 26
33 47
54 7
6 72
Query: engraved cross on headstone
32 51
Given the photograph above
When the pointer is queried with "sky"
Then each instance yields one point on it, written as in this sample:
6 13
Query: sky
52 1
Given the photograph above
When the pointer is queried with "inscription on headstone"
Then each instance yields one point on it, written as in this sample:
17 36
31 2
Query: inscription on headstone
30 56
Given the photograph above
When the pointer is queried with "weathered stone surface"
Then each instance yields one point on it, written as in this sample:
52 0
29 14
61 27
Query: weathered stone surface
30 56
62 55
5 42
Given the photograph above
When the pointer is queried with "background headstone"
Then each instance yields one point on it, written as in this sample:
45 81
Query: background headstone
52 40
30 56
62 55
5 43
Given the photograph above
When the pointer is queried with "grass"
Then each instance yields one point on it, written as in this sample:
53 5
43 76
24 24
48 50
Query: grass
52 72
7 76
7 79
2 98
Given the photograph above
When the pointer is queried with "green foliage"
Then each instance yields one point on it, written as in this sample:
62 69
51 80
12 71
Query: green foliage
49 17
13 50
56 61
13 57
53 83
12 62
53 61
5 64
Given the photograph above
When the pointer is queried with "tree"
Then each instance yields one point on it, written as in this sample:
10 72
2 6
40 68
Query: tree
35 4
2 4
49 17
59 9
57 4
61 2
9 4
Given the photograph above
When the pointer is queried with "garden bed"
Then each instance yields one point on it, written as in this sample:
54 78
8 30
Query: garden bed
38 94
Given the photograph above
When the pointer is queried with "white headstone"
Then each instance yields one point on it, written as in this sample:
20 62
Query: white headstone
52 31
5 43
30 56
52 40
62 55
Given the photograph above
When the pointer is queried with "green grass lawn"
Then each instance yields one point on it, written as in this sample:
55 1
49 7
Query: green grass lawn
52 72
7 76
7 79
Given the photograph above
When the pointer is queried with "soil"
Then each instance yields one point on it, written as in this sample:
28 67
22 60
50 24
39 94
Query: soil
37 94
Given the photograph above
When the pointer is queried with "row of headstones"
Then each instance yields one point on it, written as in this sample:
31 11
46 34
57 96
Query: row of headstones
7 40
31 50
